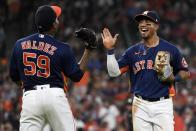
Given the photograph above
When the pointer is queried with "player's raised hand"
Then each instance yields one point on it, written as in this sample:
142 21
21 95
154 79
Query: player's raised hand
108 40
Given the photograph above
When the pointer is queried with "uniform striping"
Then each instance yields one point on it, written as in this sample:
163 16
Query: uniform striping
65 82
124 69
172 91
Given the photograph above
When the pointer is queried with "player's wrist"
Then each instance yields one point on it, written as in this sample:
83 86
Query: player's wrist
177 78
110 51
88 50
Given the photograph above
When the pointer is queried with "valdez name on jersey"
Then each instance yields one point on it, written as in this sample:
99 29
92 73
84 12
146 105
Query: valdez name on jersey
38 46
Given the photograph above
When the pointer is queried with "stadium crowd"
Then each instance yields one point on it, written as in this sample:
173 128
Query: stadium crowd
98 102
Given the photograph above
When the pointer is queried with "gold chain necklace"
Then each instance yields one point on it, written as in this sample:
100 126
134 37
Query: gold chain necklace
145 51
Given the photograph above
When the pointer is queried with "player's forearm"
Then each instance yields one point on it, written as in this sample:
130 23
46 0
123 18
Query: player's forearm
112 66
13 73
184 74
84 60
181 76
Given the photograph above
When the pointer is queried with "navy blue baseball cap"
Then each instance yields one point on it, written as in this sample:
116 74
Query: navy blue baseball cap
150 15
45 16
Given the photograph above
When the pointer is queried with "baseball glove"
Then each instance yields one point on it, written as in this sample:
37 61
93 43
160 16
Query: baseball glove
88 37
162 65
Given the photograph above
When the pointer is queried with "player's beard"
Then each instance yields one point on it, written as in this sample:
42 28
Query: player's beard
144 37
147 36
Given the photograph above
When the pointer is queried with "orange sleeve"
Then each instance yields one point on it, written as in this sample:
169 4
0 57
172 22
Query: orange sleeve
172 90
65 82
124 69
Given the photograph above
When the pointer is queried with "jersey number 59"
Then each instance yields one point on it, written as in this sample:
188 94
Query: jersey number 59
43 62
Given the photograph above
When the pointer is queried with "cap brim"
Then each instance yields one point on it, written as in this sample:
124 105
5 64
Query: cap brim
140 17
57 10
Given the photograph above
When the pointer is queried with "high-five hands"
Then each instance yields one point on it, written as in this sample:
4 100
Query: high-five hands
108 40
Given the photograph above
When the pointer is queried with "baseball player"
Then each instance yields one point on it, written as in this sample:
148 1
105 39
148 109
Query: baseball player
43 64
154 65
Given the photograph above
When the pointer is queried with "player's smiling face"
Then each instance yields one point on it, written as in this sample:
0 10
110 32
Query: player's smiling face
147 28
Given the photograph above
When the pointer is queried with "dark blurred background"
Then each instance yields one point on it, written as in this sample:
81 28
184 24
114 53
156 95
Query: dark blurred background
98 102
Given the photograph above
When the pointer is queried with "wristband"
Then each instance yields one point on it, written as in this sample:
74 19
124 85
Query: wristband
110 52
177 78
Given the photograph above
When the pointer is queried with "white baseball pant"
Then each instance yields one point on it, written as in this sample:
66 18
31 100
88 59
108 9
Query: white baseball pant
47 105
152 116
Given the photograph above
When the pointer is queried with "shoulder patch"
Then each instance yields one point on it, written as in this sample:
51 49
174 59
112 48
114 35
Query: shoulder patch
184 63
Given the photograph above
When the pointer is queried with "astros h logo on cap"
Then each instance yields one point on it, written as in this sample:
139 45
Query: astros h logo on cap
150 15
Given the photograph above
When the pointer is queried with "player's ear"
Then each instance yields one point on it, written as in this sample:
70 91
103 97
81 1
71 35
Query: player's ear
138 26
156 26
56 24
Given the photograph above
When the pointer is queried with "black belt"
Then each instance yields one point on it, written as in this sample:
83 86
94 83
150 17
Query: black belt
29 89
152 99
33 88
